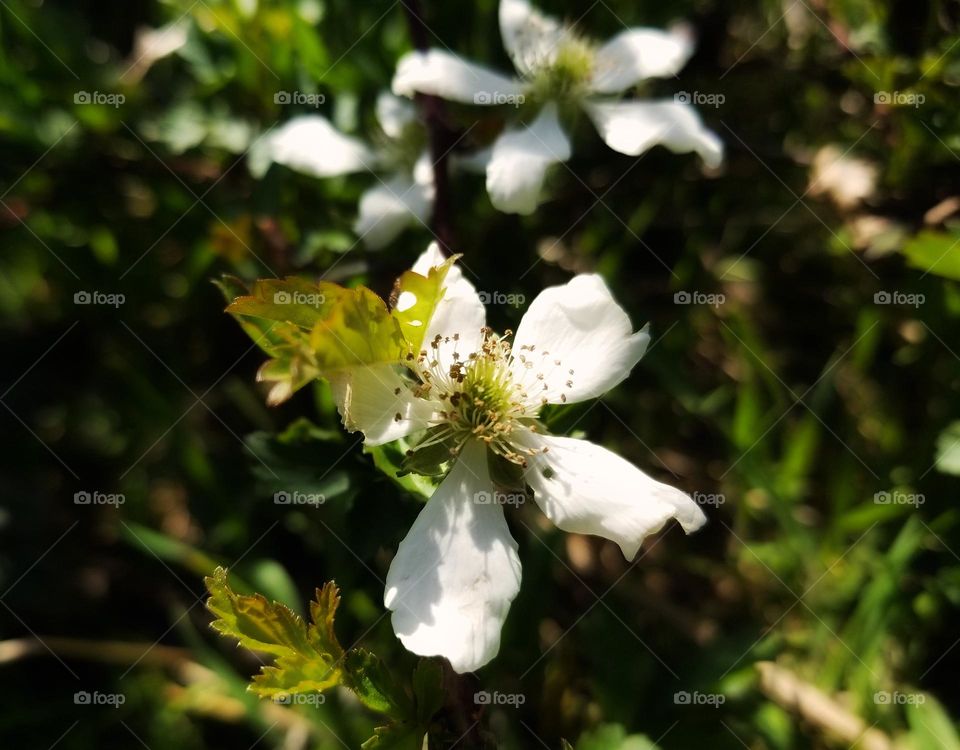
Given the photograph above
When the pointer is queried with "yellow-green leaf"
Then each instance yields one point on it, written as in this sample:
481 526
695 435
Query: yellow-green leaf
415 298
308 656
314 330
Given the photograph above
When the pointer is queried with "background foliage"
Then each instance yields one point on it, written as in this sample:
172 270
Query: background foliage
794 402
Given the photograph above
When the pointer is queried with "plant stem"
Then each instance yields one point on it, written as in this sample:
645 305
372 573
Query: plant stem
441 138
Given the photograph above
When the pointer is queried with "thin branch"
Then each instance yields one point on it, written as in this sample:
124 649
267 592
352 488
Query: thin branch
441 139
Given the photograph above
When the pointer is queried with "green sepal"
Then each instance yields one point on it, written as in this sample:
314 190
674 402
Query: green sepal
427 689
429 461
505 475
370 680
389 460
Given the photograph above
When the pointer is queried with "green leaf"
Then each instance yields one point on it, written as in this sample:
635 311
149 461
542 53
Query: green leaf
290 300
395 737
948 450
613 737
418 297
428 689
930 725
307 656
428 461
390 460
315 330
935 252
374 686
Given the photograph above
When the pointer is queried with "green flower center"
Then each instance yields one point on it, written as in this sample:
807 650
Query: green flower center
482 400
568 74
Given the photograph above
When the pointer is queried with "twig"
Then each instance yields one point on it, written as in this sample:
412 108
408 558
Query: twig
787 690
441 139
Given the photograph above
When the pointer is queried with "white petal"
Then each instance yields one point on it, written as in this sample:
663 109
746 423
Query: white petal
310 144
450 77
368 401
423 169
633 127
460 316
587 489
388 208
530 37
637 54
520 159
456 572
577 326
394 114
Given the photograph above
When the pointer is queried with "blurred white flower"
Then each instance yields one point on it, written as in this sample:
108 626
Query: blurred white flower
847 180
402 197
153 44
558 68
475 398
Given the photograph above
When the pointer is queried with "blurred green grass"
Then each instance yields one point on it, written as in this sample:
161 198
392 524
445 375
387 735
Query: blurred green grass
796 401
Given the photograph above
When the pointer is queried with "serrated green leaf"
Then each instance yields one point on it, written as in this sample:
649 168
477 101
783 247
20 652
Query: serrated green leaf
312 330
290 300
307 656
260 330
415 298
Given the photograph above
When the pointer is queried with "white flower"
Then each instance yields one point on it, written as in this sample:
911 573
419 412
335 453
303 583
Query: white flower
404 197
557 67
476 397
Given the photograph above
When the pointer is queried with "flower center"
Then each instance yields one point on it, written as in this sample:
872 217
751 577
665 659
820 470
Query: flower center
481 399
566 76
